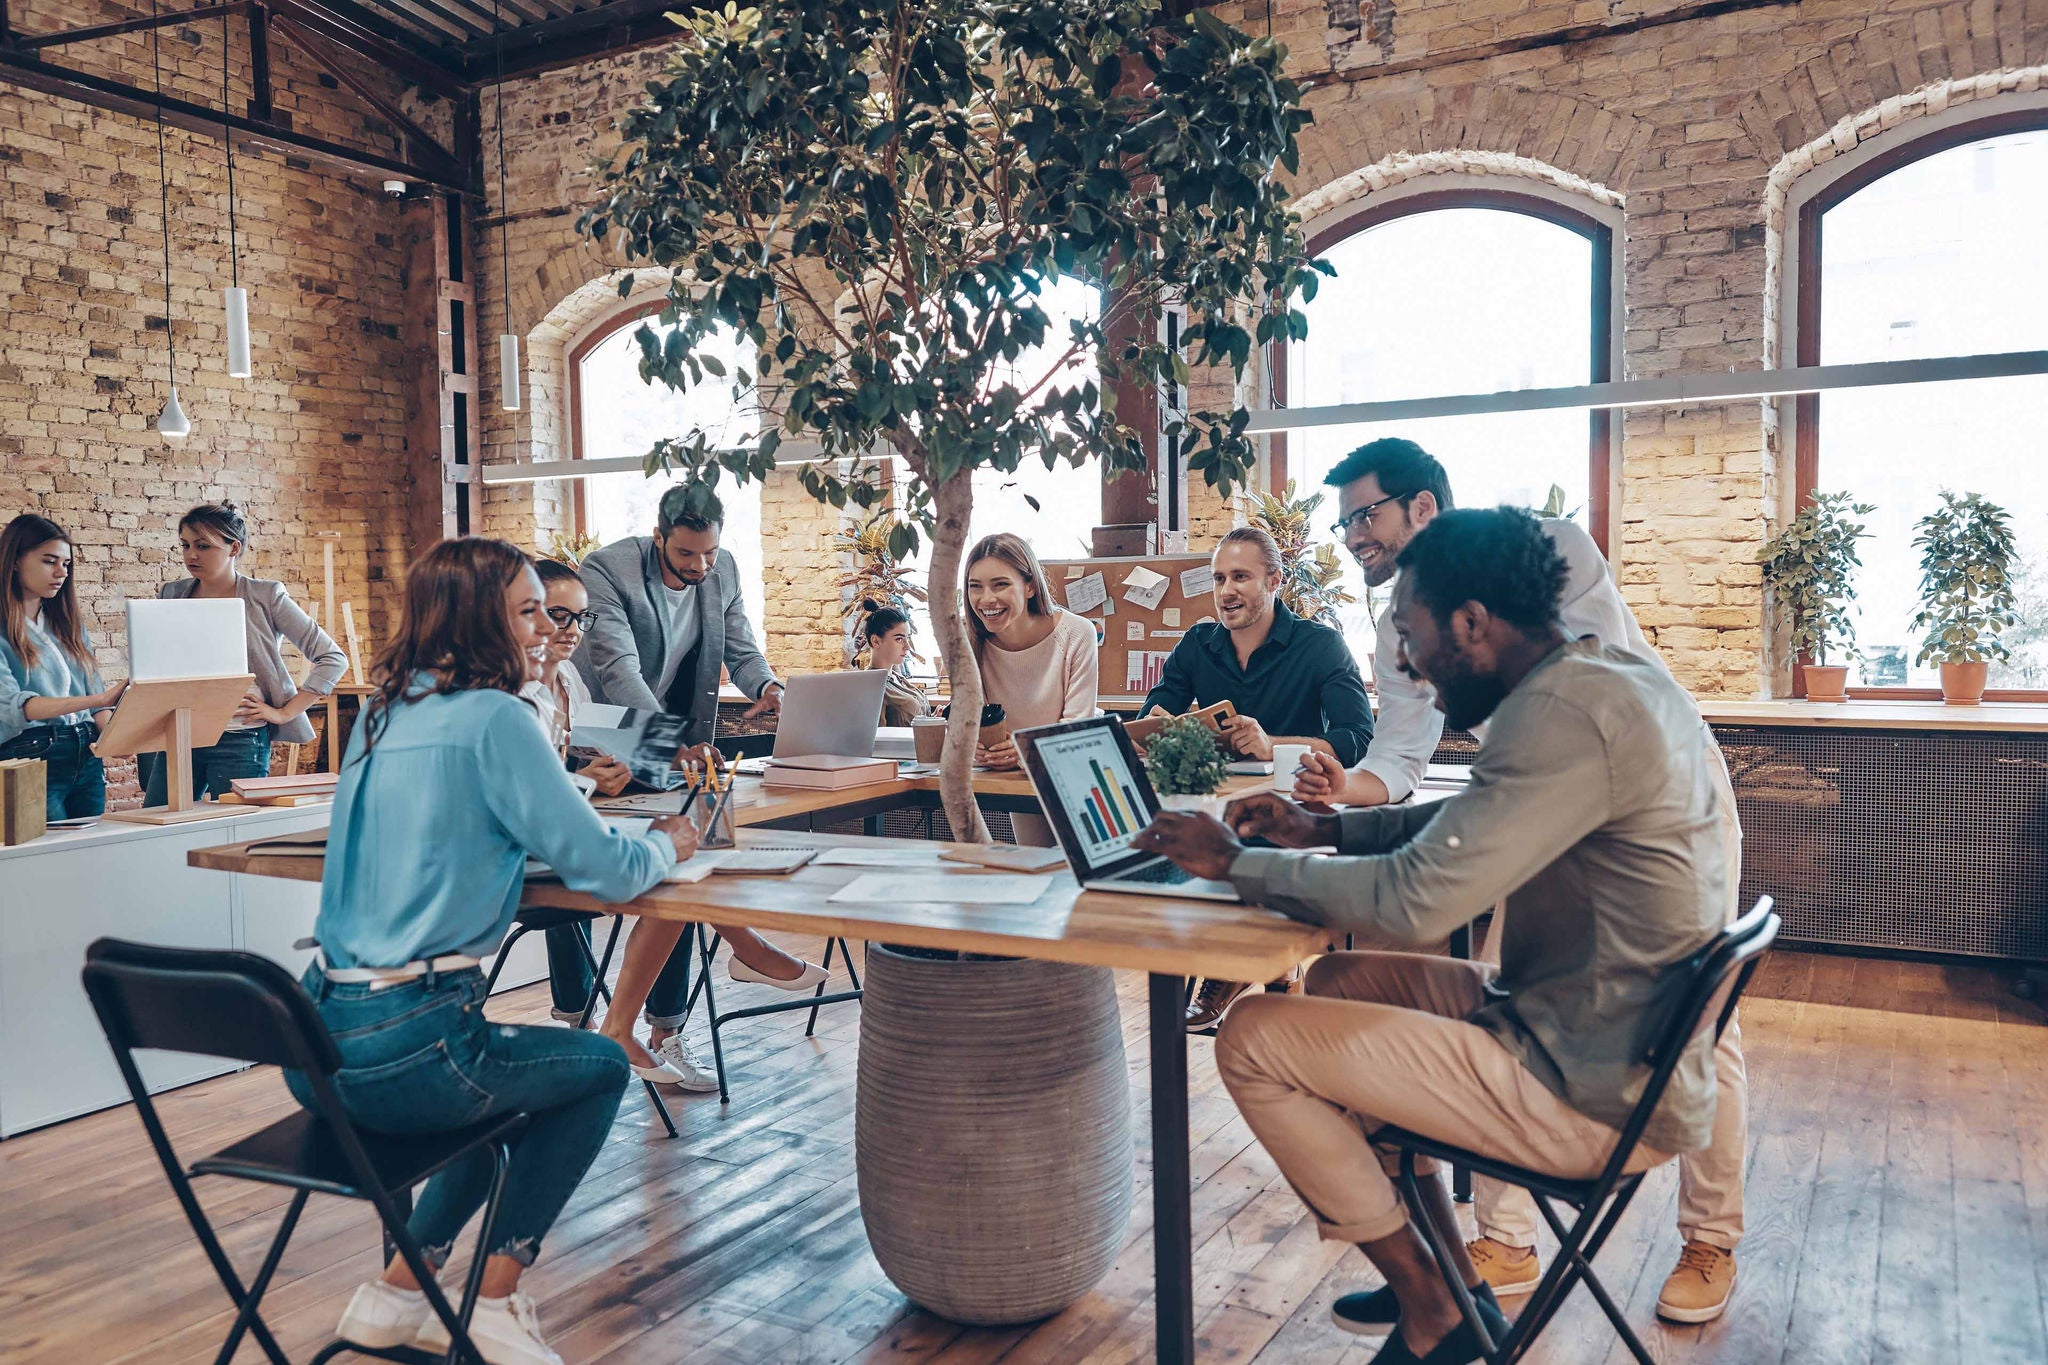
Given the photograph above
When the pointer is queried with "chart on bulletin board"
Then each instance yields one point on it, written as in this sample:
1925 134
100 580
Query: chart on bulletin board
1141 607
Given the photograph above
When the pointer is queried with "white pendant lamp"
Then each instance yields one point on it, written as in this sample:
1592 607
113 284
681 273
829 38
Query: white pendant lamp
172 423
236 297
508 341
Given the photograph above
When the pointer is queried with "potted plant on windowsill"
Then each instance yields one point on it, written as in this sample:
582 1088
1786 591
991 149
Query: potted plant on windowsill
1186 764
1966 591
1807 569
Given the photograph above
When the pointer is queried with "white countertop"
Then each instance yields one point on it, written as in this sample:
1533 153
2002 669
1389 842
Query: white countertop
108 832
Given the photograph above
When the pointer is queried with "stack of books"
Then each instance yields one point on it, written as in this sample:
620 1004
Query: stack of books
303 789
827 772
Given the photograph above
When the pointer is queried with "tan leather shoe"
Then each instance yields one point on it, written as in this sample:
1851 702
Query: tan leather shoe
1510 1270
1211 1001
1700 1284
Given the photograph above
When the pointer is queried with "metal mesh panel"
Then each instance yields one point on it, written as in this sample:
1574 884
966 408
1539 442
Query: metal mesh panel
910 824
1930 841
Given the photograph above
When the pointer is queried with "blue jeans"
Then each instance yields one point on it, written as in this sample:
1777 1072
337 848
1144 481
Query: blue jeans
240 753
74 779
419 1057
569 978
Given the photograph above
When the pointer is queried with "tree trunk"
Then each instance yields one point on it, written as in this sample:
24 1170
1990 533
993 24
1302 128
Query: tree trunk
952 502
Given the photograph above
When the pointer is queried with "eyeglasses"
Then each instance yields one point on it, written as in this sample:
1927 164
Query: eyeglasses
1359 517
564 618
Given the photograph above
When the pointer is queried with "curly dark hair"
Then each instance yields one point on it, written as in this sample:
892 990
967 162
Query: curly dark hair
1498 557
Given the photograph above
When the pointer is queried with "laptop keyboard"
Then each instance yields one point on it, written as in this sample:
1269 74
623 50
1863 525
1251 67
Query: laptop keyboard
1161 872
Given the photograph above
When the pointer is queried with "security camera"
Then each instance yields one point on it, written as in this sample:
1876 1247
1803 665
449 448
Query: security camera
395 188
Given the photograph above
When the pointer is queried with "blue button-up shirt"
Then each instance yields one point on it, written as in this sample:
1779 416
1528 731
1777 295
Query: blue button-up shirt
56 674
432 826
1301 681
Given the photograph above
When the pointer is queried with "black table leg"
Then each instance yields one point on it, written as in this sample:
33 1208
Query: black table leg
1173 1250
1461 1178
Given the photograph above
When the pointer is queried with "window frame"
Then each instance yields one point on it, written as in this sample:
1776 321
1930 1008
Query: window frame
1379 208
599 332
1806 325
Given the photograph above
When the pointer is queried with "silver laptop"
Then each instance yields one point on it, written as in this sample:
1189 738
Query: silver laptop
831 713
1095 792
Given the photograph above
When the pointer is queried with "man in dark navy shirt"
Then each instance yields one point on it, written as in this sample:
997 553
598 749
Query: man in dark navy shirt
1289 679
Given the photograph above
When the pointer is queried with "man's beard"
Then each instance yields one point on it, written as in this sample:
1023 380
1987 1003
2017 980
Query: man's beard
1469 696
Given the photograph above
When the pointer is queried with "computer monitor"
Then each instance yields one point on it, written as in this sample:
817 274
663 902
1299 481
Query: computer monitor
1094 790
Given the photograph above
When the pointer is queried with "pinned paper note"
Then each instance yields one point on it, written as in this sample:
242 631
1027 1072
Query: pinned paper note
1135 631
1087 593
1170 617
1198 581
1073 571
1108 607
1168 634
1144 587
1143 669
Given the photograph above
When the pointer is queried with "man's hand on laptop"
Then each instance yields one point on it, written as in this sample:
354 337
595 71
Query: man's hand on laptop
1272 817
769 703
1198 843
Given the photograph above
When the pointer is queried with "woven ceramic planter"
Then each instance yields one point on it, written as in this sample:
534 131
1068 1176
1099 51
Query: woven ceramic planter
992 1132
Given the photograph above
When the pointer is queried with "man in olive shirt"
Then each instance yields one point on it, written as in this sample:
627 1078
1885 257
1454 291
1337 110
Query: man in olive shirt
1593 809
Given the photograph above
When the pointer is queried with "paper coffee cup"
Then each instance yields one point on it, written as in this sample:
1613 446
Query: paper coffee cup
928 734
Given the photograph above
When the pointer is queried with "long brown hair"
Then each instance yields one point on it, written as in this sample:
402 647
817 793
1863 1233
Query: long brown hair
1015 552
455 628
60 613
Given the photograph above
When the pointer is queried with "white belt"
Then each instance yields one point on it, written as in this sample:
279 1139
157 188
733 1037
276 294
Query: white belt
391 976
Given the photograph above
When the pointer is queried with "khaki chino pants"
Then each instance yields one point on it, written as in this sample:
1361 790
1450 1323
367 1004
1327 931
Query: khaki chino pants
1382 1038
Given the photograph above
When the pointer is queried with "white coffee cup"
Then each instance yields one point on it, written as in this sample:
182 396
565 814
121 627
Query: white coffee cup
1286 759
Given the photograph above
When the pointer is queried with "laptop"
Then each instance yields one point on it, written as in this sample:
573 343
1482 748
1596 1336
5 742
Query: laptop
831 713
1095 792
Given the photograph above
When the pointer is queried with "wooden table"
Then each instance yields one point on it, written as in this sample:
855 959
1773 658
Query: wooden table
1169 940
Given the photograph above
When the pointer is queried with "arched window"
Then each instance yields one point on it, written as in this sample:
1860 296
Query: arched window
1931 248
1453 292
613 413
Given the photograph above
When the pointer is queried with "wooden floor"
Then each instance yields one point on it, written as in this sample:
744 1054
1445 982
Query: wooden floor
1898 1211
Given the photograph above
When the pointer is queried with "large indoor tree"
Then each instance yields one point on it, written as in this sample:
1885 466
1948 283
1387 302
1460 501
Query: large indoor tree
877 195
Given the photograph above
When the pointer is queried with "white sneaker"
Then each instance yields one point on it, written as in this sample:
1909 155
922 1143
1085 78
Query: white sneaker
812 975
382 1316
695 1076
506 1331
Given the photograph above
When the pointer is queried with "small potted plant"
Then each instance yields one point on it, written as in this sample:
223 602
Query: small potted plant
1807 569
1967 601
1185 761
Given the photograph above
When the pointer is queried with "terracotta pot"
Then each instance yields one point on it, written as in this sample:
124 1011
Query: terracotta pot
1826 682
1963 684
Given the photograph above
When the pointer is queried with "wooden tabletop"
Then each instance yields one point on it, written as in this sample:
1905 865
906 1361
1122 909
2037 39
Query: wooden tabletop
1990 717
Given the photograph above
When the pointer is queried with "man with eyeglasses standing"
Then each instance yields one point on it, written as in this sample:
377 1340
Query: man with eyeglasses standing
1387 491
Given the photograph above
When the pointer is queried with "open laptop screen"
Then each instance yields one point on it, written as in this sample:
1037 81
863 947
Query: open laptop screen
1084 769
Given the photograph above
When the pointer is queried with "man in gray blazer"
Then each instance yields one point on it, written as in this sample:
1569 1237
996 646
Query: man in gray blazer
670 618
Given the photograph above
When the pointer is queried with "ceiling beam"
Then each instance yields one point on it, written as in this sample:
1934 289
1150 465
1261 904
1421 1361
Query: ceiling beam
616 26
422 140
39 41
31 73
363 33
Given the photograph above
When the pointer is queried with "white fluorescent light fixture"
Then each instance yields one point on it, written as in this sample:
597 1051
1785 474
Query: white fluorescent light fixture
508 370
238 332
540 471
1668 391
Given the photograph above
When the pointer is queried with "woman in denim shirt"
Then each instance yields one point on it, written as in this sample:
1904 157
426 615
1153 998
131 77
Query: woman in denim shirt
53 703
211 538
447 787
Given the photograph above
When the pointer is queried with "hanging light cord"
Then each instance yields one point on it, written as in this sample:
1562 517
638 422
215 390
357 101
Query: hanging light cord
163 186
227 140
504 206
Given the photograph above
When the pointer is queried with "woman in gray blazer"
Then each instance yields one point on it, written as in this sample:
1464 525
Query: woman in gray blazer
212 537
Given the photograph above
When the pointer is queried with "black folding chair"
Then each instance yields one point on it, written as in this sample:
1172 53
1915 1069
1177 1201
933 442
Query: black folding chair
707 952
539 920
1718 974
247 1008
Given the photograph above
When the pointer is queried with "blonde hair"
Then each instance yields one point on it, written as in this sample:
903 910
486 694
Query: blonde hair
1260 540
1012 550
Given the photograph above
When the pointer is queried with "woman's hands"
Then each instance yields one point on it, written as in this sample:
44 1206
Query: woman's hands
680 832
1000 755
253 710
611 776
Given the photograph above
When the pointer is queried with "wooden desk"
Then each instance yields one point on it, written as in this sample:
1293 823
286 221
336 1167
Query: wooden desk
1169 940
1993 717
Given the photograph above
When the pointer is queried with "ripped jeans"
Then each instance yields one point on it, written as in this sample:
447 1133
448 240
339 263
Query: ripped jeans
419 1057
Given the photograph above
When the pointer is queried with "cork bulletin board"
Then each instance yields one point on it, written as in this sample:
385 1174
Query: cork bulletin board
1137 627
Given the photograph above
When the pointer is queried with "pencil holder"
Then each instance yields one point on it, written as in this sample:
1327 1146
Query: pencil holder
712 814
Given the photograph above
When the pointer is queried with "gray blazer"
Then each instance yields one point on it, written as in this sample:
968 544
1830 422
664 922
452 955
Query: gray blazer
623 654
273 616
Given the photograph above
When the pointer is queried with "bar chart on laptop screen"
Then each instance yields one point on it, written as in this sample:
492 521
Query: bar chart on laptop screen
1101 799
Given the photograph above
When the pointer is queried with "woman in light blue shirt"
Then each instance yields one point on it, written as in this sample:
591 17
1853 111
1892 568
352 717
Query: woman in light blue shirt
53 703
211 538
447 787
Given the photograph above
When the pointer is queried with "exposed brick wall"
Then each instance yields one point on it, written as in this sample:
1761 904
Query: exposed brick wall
313 441
1695 129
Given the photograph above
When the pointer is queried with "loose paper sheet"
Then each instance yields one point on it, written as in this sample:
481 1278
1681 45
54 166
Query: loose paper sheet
1170 617
878 857
1145 588
952 888
1135 631
1087 593
1198 581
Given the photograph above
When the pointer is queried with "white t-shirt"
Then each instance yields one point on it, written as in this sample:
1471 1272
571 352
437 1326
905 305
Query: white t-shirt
684 628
